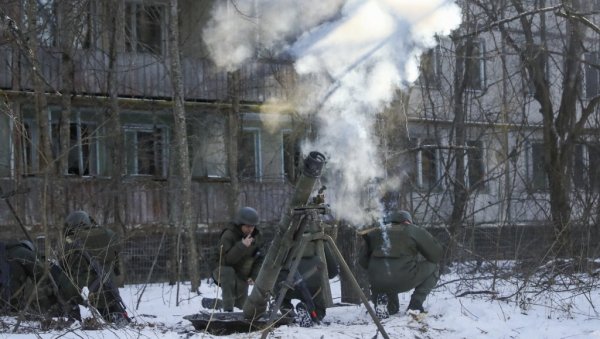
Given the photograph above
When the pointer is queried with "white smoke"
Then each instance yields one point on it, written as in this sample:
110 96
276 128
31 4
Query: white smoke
355 54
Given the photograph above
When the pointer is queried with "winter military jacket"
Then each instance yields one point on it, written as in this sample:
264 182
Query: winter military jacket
24 274
101 243
245 261
401 243
88 253
22 269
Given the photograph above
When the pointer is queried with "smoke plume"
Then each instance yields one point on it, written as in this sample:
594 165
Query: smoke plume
354 56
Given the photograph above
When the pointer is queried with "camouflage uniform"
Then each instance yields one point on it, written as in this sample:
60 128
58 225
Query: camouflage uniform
25 272
238 263
391 256
84 245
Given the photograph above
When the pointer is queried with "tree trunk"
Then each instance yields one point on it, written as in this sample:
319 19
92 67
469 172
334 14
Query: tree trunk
44 151
181 145
115 141
66 48
233 130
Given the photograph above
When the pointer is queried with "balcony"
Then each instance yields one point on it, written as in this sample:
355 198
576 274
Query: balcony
144 75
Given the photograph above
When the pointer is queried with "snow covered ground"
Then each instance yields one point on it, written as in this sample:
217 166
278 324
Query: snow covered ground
533 311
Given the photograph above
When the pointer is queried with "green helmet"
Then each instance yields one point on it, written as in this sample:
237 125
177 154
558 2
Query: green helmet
28 244
77 219
398 217
246 216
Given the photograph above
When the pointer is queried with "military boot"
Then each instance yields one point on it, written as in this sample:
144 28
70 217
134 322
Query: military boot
381 306
303 318
415 305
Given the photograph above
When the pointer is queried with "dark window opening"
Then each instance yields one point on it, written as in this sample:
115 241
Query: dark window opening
248 155
143 28
471 64
475 164
291 157
539 179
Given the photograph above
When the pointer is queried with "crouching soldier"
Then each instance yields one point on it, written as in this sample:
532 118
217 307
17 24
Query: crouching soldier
239 260
25 287
391 255
90 258
308 286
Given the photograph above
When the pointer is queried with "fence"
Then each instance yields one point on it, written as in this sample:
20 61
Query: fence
143 253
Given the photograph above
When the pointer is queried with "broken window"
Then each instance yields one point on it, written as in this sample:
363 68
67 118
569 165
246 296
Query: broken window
82 145
146 150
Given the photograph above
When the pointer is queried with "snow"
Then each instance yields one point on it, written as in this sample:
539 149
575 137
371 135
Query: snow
462 306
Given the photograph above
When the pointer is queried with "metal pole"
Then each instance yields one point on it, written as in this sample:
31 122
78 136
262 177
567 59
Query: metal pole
355 285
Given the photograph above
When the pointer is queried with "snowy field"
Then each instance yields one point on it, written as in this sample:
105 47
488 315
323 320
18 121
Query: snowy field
463 306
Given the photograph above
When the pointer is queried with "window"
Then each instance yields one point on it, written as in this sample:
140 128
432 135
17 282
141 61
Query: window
207 146
29 140
425 172
539 179
47 25
84 24
146 150
5 146
291 156
431 68
249 155
579 167
592 75
144 28
594 165
586 161
475 164
471 64
83 145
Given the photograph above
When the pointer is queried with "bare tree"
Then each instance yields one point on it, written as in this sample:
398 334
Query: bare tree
182 158
558 94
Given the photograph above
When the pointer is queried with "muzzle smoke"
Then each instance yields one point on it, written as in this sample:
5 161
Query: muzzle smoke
354 55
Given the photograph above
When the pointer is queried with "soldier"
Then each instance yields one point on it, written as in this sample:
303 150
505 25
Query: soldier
239 260
312 305
23 284
391 257
91 259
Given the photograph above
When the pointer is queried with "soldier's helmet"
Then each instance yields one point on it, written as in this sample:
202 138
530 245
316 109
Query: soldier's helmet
27 244
246 216
77 219
398 217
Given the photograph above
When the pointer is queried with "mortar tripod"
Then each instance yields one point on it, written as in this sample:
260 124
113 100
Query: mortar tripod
310 228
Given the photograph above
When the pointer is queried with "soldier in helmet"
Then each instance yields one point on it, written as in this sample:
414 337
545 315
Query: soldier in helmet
23 284
90 259
391 255
240 259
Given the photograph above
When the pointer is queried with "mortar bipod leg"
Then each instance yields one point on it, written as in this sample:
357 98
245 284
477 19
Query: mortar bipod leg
296 255
323 275
355 286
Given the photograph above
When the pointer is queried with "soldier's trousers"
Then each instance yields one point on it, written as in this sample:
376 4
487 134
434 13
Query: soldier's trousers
234 289
391 276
